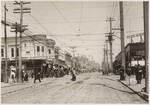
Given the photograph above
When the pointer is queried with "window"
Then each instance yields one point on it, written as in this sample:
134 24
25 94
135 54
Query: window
38 48
25 45
49 51
2 52
17 52
12 52
42 48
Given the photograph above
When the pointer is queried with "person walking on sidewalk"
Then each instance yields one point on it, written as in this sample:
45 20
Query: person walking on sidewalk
121 73
37 75
73 75
139 74
13 73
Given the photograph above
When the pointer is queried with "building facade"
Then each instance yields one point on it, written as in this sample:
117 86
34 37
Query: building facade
35 50
134 55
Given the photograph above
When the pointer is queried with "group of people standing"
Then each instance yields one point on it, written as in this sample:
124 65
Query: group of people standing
138 71
38 73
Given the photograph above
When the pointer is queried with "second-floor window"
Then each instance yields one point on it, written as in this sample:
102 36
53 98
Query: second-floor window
17 52
12 52
2 52
38 48
49 51
42 48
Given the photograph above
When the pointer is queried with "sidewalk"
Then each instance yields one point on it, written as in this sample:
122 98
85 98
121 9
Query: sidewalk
14 84
135 87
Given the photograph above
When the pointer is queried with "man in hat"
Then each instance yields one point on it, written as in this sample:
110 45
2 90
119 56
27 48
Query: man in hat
37 75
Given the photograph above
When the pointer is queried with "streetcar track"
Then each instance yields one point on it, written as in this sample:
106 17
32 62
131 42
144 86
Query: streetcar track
27 88
57 90
74 93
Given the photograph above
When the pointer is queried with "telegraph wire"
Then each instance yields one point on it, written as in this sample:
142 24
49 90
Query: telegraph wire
125 14
63 17
47 30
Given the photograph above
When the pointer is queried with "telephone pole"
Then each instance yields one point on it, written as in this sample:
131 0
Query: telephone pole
6 63
16 27
146 38
21 11
105 65
73 50
122 35
110 39
107 54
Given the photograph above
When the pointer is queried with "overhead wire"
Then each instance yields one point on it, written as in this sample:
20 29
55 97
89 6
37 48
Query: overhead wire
80 22
125 14
63 17
50 34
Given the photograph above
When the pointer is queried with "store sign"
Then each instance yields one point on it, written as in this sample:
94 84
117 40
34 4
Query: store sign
135 35
137 57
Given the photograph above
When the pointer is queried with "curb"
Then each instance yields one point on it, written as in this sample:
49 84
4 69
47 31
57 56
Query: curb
138 93
15 84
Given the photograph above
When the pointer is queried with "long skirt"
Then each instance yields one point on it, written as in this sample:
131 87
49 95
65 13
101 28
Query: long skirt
73 77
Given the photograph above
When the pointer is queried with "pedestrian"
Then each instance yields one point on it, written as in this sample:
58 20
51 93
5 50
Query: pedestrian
41 73
32 73
37 75
139 74
13 73
73 75
121 73
26 76
129 71
22 75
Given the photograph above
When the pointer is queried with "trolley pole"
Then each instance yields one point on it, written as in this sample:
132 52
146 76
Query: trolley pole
16 27
6 63
22 29
110 39
122 35
146 38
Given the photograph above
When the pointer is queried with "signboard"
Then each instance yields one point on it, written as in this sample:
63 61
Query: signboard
133 63
135 35
141 62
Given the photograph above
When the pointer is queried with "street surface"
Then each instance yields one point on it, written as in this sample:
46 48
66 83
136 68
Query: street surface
89 88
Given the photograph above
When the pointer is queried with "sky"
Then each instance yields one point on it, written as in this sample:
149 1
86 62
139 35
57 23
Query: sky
79 23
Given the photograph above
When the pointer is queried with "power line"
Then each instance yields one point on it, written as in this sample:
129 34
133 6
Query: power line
63 17
127 10
114 9
46 30
125 14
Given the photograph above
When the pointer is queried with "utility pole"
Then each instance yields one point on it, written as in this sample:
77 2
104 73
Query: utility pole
21 11
104 59
146 38
6 63
73 50
110 39
122 35
107 54
16 27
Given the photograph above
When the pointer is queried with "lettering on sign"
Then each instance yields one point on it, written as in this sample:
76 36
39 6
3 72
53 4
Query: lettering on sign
135 35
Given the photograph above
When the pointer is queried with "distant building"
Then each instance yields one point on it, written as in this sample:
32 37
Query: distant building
68 59
61 58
